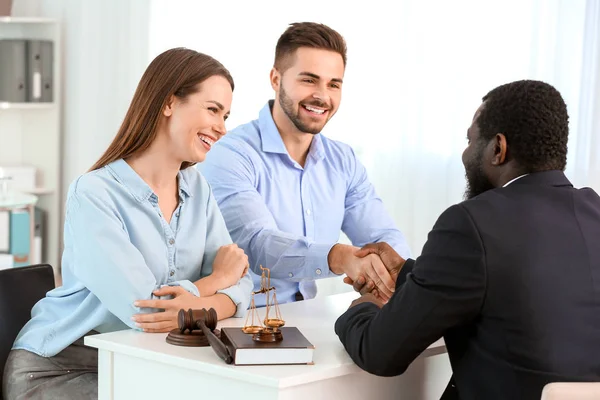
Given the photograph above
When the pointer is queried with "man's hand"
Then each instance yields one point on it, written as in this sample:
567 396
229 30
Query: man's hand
367 298
229 266
342 259
362 286
166 320
392 261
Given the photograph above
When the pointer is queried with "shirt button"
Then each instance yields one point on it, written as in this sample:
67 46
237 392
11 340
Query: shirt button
171 241
318 271
291 275
308 212
177 215
172 273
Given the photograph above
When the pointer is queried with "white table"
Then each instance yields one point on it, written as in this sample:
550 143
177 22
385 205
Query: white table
135 365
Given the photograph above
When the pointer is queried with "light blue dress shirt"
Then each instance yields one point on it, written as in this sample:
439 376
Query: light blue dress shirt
119 248
286 217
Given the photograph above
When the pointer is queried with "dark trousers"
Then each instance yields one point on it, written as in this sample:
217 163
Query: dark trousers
71 374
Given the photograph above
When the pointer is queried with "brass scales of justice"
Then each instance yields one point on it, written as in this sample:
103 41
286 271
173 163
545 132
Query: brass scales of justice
269 332
198 327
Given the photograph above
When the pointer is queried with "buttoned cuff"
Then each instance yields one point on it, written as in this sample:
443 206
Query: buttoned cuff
236 295
316 266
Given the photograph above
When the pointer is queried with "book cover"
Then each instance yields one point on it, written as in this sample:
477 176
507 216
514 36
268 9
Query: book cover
293 349
19 237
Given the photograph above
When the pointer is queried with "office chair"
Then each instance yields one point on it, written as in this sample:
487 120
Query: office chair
20 289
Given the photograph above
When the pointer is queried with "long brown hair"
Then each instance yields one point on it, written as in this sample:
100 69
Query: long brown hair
176 72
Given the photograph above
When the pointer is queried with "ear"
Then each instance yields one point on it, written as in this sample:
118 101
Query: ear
500 149
168 110
275 78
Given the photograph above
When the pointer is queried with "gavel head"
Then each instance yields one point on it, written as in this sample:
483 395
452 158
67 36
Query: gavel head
189 320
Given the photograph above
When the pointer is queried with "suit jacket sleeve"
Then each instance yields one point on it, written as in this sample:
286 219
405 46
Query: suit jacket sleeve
445 289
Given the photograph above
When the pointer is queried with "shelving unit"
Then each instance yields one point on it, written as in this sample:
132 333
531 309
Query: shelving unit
30 133
26 106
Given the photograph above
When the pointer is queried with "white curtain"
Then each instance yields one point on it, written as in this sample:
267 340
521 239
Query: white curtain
585 165
416 73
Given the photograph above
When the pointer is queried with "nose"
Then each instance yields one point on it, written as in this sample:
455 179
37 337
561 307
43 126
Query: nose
325 89
321 96
219 129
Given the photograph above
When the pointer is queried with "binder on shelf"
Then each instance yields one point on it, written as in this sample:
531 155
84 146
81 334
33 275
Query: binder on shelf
39 71
13 70
19 237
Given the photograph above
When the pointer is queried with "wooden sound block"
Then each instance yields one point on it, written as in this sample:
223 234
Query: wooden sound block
193 339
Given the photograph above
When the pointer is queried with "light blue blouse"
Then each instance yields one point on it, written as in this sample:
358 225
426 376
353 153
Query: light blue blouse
119 248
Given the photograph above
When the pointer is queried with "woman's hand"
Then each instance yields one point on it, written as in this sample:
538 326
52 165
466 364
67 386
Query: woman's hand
166 320
230 265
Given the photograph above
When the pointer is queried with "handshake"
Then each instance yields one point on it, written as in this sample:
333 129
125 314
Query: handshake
371 269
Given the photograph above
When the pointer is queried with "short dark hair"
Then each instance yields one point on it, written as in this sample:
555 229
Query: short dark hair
533 117
307 34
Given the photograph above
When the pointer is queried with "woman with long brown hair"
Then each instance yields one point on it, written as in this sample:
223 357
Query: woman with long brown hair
143 233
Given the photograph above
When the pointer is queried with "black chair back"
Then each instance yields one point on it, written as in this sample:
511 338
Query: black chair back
20 289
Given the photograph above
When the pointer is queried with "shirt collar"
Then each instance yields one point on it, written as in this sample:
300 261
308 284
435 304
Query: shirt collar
269 134
140 190
512 180
184 188
271 138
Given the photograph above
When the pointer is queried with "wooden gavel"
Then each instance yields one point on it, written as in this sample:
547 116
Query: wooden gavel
191 319
206 321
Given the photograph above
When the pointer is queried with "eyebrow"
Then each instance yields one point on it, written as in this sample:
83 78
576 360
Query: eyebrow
218 105
318 77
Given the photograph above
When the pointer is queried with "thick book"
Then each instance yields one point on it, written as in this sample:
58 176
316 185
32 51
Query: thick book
293 349
20 237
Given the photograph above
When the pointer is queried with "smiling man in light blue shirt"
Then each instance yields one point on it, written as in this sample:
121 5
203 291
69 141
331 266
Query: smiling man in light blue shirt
286 191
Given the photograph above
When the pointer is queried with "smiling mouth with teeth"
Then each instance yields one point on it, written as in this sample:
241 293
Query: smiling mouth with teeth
314 110
206 140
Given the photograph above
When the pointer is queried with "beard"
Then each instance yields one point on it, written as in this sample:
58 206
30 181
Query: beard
477 181
287 105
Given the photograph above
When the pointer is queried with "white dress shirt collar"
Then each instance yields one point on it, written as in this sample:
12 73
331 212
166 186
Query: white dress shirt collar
512 180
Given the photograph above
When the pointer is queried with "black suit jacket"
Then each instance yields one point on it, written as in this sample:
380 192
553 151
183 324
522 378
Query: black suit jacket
511 280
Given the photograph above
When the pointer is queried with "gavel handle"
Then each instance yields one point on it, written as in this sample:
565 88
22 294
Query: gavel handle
216 344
